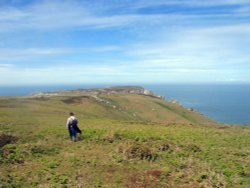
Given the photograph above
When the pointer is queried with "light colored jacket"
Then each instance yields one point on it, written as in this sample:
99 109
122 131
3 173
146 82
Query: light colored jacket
69 121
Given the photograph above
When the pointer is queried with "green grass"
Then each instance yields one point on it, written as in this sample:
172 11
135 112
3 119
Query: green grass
118 149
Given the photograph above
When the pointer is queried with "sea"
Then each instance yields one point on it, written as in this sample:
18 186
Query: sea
225 103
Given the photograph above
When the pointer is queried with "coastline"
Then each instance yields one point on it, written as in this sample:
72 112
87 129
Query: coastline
212 101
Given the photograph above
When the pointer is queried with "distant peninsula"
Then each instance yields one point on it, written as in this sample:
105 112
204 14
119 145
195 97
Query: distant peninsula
97 91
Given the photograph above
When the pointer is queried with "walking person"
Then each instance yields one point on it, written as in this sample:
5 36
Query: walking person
72 126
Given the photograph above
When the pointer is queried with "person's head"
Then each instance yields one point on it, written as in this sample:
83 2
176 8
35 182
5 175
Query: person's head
71 114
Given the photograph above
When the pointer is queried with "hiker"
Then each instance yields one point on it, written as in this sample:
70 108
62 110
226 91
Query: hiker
72 126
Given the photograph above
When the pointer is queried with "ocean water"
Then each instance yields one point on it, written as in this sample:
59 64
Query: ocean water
223 103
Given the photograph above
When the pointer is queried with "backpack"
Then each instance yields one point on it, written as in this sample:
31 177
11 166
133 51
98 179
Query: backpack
74 125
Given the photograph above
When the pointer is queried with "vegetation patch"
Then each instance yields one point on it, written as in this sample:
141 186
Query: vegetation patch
138 151
154 173
183 114
165 147
75 100
42 98
149 178
11 181
193 148
43 150
94 134
112 136
11 103
11 153
7 139
117 149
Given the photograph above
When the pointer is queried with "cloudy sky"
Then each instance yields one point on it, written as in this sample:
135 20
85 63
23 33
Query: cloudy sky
124 41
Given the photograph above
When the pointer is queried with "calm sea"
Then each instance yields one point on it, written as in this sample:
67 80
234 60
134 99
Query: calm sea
223 103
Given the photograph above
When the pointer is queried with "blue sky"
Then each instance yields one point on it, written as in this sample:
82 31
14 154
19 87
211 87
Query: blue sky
126 41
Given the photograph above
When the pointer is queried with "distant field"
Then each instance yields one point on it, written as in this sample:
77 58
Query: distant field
128 140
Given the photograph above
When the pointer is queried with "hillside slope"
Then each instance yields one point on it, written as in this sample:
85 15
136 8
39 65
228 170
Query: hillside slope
130 140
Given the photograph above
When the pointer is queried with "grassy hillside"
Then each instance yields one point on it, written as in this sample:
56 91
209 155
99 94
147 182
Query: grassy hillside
129 140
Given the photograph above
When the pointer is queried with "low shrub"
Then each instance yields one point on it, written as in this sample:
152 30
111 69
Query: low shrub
7 139
11 182
112 136
165 147
138 151
11 153
43 150
193 148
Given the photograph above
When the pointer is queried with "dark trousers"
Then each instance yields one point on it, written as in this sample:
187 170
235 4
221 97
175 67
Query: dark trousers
72 134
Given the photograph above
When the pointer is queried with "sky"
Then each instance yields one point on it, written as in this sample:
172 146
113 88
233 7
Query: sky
124 41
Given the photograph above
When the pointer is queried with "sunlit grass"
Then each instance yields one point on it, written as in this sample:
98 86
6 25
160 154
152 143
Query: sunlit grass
118 149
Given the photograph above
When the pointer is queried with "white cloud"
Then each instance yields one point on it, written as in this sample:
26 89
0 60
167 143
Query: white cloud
191 3
226 29
32 51
164 47
122 72
6 66
17 54
57 14
54 74
50 15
